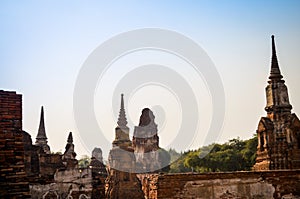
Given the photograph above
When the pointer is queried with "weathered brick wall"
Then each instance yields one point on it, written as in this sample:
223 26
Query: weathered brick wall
49 163
12 172
31 160
243 185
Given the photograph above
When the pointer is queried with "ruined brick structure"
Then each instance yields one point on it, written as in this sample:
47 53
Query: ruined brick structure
72 181
31 171
279 132
13 182
65 179
145 142
41 165
284 184
122 182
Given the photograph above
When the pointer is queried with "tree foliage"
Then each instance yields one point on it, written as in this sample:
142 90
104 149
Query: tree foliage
84 161
234 155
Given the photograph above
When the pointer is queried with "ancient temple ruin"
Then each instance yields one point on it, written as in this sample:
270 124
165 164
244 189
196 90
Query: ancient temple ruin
30 170
279 132
122 181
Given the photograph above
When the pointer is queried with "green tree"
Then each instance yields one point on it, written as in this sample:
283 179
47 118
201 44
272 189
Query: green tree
192 160
84 161
177 166
249 152
234 155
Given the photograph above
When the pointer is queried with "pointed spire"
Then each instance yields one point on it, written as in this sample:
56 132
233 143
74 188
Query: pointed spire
275 71
41 138
41 132
122 121
70 138
276 91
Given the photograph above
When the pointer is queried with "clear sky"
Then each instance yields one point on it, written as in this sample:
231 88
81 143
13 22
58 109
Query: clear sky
44 44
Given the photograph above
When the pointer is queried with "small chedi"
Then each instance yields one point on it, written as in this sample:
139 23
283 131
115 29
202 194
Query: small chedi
41 138
69 156
97 154
99 174
279 132
96 163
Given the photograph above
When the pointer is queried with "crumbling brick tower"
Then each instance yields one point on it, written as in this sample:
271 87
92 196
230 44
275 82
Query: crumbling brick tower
145 142
278 133
12 171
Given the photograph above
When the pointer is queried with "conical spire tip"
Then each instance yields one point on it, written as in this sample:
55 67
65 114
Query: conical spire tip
70 138
41 130
122 121
275 71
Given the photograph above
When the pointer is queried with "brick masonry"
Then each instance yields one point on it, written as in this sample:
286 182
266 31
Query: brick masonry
12 170
275 184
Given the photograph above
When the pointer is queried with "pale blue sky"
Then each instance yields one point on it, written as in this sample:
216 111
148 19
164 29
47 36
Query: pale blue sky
43 44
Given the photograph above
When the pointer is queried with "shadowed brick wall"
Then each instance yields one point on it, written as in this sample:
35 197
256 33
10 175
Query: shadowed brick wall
12 173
